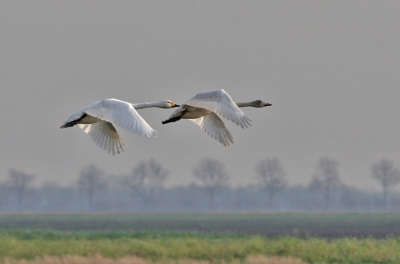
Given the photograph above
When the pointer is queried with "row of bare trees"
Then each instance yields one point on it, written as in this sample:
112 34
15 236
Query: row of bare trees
18 183
326 178
148 177
388 177
91 180
145 180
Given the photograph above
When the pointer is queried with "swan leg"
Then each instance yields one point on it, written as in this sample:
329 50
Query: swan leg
176 116
74 122
173 119
70 124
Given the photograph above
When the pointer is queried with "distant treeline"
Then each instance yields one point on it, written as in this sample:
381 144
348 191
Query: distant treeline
143 190
192 198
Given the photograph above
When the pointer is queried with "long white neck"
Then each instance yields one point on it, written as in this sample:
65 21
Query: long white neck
256 104
146 105
246 104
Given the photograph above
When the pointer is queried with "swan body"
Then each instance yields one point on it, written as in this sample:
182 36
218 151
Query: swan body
98 120
205 110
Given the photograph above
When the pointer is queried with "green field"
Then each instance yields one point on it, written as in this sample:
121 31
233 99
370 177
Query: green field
323 225
164 237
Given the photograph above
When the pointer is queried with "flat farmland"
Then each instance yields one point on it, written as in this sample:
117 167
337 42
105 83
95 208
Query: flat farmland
200 238
303 225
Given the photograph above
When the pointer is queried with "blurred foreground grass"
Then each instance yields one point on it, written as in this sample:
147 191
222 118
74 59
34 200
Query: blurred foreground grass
174 246
98 259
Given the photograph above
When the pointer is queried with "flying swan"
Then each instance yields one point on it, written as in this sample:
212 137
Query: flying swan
206 108
98 120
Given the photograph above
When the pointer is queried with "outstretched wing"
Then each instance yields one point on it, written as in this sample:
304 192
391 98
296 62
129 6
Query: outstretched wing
105 136
98 120
121 114
215 127
221 103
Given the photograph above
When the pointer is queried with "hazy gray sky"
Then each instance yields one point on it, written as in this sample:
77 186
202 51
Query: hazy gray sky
330 69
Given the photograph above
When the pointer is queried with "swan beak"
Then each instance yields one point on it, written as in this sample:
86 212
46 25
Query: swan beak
173 104
267 104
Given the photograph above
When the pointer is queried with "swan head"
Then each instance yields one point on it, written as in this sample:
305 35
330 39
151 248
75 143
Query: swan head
259 104
168 104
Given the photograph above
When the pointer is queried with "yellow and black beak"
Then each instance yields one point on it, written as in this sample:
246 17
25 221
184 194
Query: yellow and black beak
174 105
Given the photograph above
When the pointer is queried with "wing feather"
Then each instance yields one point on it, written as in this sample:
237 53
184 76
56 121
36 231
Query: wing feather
98 120
215 127
121 114
221 103
104 135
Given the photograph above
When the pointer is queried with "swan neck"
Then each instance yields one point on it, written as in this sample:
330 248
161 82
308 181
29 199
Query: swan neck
145 105
246 104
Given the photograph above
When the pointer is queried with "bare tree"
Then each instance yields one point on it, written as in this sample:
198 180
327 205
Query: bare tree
19 182
91 180
326 179
146 179
270 177
387 175
211 173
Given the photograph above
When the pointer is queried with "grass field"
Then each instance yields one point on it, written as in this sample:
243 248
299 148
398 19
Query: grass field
325 225
199 238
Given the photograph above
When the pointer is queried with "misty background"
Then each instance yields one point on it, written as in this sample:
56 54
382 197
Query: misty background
330 70
143 190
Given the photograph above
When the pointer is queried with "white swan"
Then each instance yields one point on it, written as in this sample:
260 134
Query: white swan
98 120
205 108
